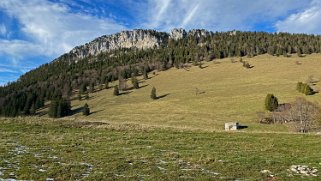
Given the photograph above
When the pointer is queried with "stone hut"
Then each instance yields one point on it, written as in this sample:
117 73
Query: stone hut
232 126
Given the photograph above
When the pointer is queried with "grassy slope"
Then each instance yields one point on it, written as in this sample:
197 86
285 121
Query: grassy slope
66 150
231 93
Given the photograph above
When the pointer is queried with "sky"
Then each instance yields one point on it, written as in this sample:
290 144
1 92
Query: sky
34 32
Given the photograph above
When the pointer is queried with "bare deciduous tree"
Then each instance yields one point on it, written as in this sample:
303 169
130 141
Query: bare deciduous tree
304 115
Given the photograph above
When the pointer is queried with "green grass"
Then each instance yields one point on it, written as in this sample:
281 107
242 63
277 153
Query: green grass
65 150
232 93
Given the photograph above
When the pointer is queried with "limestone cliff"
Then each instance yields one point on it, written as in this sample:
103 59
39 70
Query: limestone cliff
141 39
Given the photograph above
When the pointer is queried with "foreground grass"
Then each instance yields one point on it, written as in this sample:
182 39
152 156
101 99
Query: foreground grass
67 150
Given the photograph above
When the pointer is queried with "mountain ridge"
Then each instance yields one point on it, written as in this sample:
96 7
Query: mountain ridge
136 38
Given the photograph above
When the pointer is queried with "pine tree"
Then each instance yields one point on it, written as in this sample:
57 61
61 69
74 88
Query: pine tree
116 91
86 110
271 102
87 96
153 93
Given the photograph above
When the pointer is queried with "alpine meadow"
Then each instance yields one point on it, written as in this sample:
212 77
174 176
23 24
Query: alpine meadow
156 103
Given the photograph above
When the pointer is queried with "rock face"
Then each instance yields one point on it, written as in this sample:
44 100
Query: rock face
141 39
177 34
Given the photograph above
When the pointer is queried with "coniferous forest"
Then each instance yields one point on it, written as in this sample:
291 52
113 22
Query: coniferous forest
58 81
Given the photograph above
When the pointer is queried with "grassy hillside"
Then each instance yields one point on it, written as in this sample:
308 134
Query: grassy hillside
39 149
232 93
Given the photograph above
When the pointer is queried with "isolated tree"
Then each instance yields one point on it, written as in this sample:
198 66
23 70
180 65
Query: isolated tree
153 93
116 91
86 110
271 102
135 82
304 115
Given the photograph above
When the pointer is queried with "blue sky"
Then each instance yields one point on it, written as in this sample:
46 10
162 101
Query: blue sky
34 32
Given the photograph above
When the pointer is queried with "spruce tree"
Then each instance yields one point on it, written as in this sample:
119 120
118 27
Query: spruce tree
86 110
153 93
271 102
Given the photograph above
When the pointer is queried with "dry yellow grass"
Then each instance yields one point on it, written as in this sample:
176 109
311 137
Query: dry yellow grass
232 93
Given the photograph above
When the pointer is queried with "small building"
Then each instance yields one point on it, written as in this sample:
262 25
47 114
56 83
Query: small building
232 126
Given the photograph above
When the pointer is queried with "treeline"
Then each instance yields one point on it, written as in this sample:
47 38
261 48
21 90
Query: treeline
62 78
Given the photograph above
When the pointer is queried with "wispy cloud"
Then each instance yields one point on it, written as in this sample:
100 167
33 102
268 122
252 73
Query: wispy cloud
217 15
51 28
306 21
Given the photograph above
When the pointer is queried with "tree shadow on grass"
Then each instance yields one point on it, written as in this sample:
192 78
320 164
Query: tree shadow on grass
162 96
96 111
242 127
125 93
143 86
77 110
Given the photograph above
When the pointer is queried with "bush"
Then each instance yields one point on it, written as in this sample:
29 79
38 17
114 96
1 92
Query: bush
116 91
304 88
271 102
135 83
153 93
86 110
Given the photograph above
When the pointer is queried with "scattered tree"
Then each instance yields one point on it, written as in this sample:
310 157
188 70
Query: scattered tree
153 93
304 115
86 110
116 91
271 102
135 82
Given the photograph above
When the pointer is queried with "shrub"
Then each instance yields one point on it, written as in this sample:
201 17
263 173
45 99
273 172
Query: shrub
153 93
135 82
86 110
304 88
116 91
271 102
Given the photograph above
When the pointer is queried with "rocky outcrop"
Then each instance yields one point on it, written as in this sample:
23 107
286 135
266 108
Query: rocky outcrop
140 39
177 34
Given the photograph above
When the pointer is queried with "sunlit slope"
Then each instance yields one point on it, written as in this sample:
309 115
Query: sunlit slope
231 93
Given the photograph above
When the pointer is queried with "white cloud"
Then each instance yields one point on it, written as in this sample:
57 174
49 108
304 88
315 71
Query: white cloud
217 15
51 29
3 30
307 21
